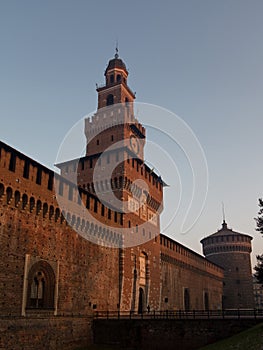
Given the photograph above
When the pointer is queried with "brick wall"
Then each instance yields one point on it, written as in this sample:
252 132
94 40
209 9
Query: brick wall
165 334
45 332
87 276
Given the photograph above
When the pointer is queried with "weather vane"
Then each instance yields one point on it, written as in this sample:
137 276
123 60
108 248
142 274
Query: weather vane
116 50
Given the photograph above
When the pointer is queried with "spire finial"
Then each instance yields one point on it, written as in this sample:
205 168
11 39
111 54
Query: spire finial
224 225
116 50
223 212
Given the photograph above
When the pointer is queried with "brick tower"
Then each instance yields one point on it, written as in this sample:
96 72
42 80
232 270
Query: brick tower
114 171
231 250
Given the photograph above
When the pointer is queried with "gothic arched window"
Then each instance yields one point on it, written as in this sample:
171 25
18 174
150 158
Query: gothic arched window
37 290
41 286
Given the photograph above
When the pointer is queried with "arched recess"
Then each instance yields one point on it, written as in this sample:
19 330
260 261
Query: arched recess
186 299
39 207
57 214
51 212
206 301
32 204
141 304
9 193
45 210
17 198
41 286
24 201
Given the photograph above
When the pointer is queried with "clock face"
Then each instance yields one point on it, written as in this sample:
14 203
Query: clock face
134 143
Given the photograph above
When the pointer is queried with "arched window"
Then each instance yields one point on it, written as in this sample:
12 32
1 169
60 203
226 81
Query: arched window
24 201
57 214
45 209
37 290
112 79
41 286
110 100
9 194
39 206
17 198
118 78
32 204
51 212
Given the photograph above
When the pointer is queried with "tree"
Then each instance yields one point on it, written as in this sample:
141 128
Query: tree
259 221
259 269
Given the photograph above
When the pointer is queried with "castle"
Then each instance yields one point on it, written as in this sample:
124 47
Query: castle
84 241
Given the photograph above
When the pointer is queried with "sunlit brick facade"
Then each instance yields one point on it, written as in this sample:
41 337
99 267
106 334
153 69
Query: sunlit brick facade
58 266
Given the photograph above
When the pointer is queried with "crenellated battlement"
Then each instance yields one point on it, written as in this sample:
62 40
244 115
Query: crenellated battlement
23 168
32 191
175 253
84 167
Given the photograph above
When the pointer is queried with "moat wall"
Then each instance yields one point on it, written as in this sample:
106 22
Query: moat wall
166 334
45 333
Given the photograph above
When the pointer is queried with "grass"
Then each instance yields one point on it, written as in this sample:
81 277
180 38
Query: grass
251 339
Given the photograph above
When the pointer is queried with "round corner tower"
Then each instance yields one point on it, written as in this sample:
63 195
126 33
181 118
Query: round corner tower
231 250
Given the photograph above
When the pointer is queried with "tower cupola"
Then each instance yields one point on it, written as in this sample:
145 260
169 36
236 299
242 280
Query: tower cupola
116 71
116 89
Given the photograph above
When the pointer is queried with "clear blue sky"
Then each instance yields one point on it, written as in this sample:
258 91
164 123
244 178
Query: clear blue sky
202 59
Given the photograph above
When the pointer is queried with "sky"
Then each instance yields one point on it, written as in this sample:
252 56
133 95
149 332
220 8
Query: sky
201 59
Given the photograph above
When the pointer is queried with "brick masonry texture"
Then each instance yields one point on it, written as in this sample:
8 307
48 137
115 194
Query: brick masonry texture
57 266
166 334
231 250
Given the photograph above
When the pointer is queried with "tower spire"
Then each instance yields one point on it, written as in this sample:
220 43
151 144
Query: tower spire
224 225
223 211
116 50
